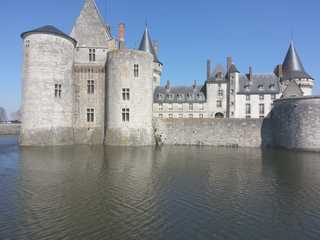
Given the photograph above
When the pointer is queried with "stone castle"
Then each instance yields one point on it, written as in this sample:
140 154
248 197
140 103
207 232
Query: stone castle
89 88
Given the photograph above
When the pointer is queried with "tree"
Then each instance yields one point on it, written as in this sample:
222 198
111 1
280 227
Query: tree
3 115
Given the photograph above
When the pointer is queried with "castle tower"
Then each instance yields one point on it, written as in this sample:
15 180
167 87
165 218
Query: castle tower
293 70
129 94
147 45
94 41
47 101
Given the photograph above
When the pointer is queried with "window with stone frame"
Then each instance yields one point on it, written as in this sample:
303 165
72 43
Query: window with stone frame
201 106
125 114
136 70
220 92
170 107
90 115
58 90
261 97
248 108
247 97
273 96
90 86
160 106
219 103
190 106
125 94
92 55
261 109
201 116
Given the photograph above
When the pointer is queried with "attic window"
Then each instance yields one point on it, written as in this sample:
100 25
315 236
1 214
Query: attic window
159 96
272 87
260 87
247 87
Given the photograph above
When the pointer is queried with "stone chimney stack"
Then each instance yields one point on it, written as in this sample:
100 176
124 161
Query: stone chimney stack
208 69
121 36
229 63
194 84
250 75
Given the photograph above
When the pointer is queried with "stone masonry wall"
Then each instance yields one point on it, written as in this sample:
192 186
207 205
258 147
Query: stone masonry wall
296 123
212 132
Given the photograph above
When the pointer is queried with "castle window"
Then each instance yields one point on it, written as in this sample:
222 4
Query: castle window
27 43
232 103
273 97
220 92
219 104
248 97
247 87
160 107
170 107
261 109
57 90
260 87
90 86
190 107
272 86
261 97
125 114
126 94
232 91
201 106
180 107
92 55
248 108
136 70
90 115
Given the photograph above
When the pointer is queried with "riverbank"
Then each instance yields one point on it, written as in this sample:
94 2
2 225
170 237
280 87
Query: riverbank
9 129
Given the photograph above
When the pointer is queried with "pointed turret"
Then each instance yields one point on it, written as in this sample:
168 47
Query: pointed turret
90 29
292 66
147 45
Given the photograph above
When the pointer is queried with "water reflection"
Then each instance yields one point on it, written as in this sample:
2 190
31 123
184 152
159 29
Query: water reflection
101 192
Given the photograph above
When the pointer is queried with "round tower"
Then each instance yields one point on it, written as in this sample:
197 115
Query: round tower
129 94
47 92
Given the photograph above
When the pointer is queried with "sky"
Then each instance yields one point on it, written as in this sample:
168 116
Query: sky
253 32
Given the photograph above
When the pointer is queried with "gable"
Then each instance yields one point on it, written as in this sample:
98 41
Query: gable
90 29
292 90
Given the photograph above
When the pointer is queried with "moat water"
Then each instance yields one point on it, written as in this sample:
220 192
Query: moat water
174 193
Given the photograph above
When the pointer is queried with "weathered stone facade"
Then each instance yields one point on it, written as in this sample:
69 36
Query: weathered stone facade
296 123
211 132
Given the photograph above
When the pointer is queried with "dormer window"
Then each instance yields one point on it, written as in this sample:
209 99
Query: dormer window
247 87
160 96
272 86
260 87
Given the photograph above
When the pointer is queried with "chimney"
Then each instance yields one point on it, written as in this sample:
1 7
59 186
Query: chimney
194 84
208 69
279 71
122 32
156 46
250 75
229 63
168 85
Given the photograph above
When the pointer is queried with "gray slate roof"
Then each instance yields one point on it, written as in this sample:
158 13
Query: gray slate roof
49 29
146 45
179 95
292 66
261 84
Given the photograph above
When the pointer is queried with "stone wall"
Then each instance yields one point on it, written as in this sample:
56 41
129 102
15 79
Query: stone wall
212 132
296 123
9 129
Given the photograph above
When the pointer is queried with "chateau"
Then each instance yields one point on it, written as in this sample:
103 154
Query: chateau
89 88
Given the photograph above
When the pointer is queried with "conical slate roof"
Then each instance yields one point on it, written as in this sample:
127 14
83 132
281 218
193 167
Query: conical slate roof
48 29
292 66
147 45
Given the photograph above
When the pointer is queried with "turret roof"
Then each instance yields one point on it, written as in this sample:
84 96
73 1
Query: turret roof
147 45
292 65
49 29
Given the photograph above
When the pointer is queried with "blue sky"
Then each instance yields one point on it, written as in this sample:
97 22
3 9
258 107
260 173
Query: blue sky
251 31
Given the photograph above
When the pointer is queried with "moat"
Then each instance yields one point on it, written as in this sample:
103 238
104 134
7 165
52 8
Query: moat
83 192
